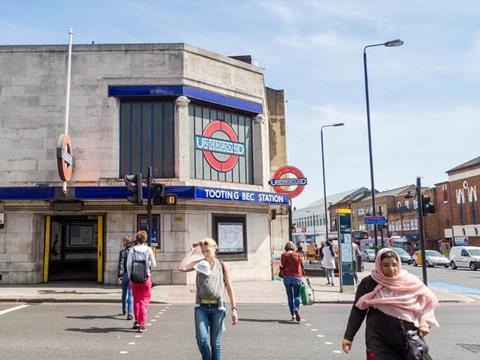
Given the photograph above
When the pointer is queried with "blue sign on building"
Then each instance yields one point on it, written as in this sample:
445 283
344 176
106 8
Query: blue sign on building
375 220
240 196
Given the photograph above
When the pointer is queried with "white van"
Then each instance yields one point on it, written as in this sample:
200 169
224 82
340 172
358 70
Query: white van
465 256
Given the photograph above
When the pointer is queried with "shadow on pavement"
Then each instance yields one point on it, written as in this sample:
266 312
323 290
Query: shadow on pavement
286 322
92 317
97 330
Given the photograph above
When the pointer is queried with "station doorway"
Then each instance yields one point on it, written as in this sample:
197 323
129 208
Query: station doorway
73 248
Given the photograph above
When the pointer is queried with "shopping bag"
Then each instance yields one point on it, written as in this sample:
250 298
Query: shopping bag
303 294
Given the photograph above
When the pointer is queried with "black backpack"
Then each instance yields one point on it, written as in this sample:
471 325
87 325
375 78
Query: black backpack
139 272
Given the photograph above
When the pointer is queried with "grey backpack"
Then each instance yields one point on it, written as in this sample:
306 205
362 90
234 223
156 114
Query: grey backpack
139 272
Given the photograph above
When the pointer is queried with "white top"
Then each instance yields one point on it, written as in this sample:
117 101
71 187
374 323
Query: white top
328 259
151 259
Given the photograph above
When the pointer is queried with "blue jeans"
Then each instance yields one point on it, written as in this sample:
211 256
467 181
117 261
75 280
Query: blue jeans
208 330
292 285
329 273
127 295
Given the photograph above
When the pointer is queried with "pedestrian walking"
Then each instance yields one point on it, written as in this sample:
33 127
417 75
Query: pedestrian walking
140 260
394 302
293 271
213 276
329 262
123 280
356 260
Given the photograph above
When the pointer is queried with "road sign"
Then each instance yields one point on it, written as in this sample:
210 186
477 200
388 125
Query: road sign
299 181
375 220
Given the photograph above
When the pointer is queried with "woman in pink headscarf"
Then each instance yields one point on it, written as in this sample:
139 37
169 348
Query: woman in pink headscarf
393 301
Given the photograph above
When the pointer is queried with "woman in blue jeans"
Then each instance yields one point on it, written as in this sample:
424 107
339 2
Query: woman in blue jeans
127 296
292 278
212 278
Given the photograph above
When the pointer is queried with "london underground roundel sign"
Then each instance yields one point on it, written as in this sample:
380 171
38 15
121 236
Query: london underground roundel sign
65 157
220 146
280 181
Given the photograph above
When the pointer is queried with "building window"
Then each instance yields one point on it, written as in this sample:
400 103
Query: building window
399 205
221 145
142 224
230 232
147 138
407 205
415 204
445 193
361 212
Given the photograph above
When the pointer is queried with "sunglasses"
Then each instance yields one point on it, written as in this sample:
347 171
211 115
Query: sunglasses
204 243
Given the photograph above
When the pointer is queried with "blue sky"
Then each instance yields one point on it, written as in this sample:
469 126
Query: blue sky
424 96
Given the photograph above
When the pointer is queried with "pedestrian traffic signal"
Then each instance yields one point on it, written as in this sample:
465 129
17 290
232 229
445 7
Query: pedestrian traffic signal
160 199
134 186
428 206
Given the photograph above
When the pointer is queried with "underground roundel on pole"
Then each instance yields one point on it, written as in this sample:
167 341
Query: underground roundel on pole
64 157
213 142
281 181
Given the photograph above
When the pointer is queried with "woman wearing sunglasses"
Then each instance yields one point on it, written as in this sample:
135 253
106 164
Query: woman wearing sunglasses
213 277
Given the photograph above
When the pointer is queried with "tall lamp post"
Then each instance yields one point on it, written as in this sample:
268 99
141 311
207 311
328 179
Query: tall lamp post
324 183
391 43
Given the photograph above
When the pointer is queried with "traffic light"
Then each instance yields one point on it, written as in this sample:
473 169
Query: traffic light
160 199
134 186
428 206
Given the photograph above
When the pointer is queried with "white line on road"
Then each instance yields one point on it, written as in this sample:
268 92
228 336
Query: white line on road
308 324
328 343
13 309
153 320
314 329
138 336
320 336
123 352
131 343
337 352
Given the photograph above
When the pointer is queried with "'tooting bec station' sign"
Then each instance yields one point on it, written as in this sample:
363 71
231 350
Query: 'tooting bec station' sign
240 196
213 141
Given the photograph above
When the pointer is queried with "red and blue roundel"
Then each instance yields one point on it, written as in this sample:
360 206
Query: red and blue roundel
220 146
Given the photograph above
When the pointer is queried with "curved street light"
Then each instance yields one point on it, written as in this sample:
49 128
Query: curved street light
324 183
391 43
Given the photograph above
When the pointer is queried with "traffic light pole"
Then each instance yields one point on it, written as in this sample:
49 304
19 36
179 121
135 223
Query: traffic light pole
420 229
149 205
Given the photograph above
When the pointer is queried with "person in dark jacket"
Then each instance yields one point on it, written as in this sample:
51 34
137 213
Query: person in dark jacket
292 278
127 296
393 301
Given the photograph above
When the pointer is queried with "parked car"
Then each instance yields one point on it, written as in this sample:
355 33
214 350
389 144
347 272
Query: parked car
465 256
433 257
368 255
404 256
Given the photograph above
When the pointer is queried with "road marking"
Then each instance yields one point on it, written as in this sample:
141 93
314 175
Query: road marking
13 309
304 320
157 316
138 336
320 336
149 324
314 329
328 343
337 351
308 324
123 352
131 343
153 320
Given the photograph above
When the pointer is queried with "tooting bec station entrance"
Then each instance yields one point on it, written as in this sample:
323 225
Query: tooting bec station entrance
73 248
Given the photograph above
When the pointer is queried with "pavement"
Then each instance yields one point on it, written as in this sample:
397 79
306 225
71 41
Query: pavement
260 292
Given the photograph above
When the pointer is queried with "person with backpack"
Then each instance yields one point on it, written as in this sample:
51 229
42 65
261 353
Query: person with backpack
213 277
140 260
127 295
329 262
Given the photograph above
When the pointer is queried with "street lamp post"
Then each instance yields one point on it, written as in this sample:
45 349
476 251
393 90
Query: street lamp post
324 183
391 43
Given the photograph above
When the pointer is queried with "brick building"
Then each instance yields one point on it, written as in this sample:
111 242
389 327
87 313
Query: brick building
457 205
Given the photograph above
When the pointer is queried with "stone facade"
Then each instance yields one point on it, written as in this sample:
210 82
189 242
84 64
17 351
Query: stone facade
32 103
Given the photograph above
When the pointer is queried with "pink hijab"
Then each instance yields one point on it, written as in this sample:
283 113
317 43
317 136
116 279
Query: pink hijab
403 296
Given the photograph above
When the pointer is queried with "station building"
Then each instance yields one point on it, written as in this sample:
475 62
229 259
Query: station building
199 119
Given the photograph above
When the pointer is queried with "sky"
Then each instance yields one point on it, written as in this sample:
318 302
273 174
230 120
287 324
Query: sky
424 95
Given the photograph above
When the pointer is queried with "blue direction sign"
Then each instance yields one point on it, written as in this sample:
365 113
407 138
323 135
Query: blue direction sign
375 220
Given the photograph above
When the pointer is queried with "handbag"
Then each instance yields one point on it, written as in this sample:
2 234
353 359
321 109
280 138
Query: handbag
281 272
416 347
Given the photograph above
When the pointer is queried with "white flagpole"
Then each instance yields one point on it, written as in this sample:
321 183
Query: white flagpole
67 98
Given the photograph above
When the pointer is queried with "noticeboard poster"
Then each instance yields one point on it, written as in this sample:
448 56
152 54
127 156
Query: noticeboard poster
230 237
